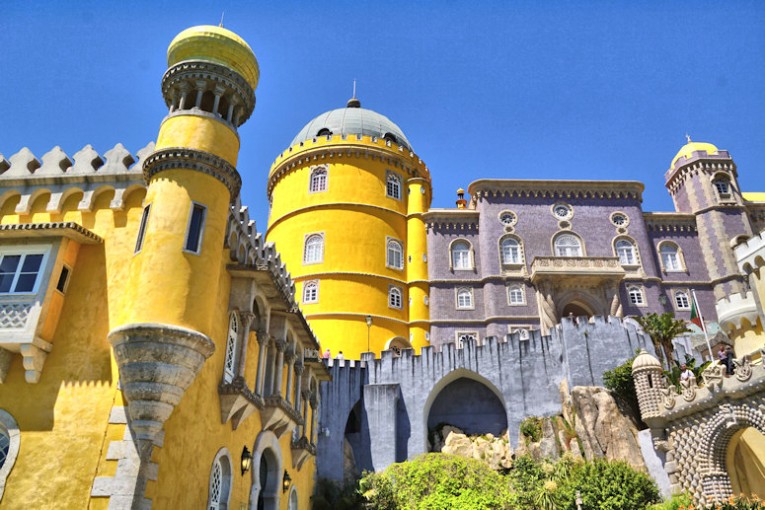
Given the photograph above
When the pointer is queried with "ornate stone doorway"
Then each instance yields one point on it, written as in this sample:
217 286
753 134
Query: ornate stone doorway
745 462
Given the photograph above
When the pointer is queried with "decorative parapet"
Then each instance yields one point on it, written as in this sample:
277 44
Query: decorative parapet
608 267
172 158
554 189
452 220
670 222
698 162
750 255
734 309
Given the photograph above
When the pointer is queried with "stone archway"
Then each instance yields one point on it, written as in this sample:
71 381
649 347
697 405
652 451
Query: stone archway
576 309
266 470
580 303
745 462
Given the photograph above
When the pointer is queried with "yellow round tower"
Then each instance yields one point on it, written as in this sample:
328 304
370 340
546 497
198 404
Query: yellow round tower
164 337
347 199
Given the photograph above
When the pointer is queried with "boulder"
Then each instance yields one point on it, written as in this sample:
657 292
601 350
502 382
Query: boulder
496 452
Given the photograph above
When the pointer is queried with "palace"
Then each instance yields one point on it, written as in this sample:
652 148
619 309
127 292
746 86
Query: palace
168 353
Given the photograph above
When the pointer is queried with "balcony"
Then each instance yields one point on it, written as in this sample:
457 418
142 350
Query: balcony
587 270
736 310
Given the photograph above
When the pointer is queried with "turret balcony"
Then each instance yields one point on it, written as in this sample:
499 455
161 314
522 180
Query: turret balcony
736 310
586 270
279 416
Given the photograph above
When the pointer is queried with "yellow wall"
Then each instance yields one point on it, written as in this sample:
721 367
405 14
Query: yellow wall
201 133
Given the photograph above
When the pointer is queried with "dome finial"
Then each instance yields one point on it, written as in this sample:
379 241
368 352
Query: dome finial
221 19
353 102
688 137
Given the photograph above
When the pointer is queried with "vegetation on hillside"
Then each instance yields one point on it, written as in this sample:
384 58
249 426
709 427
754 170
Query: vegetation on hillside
662 329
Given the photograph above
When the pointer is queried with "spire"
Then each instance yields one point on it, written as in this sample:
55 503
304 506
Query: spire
221 19
353 102
688 137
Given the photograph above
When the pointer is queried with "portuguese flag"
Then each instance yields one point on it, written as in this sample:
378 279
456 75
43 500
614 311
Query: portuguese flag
695 316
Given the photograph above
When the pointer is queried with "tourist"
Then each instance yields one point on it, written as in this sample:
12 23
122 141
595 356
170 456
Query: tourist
340 356
327 354
686 375
729 360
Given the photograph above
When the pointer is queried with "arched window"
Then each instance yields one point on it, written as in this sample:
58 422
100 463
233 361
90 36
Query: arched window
393 185
390 137
635 293
293 502
395 298
464 299
722 186
395 255
229 365
311 292
324 132
516 295
220 482
314 249
671 257
9 446
682 301
461 255
626 251
510 251
568 245
318 180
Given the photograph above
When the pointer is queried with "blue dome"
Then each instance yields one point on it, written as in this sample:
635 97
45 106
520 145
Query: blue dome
352 120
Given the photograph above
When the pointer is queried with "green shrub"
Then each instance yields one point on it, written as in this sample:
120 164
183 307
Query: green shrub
531 428
329 495
676 502
605 485
620 381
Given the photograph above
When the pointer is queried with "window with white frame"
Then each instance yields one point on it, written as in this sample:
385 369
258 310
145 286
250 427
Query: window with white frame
626 251
318 180
516 294
196 228
393 185
722 186
229 364
220 482
9 446
395 255
510 250
313 252
568 245
670 257
461 255
21 269
464 299
636 296
682 301
463 337
142 228
395 297
311 292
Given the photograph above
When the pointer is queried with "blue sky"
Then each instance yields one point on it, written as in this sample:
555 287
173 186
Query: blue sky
554 89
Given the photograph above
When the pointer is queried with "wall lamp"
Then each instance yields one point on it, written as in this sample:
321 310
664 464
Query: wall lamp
286 481
246 460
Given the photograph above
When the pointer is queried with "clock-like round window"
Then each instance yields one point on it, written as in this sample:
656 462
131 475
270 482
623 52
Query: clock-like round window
507 218
562 211
620 219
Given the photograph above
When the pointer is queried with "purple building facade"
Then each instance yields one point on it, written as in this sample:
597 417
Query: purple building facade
522 254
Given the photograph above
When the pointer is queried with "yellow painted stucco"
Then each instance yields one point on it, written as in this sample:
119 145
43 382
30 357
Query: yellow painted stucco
201 133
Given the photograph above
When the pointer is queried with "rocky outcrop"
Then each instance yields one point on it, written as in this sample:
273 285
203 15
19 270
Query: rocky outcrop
495 451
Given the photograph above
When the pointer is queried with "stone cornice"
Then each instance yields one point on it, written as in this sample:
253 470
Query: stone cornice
68 229
314 276
670 222
700 161
554 189
182 158
331 205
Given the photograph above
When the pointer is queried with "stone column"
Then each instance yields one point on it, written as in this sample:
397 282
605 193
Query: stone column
200 87
304 413
264 344
314 401
276 385
290 372
548 317
299 368
218 93
380 404
246 319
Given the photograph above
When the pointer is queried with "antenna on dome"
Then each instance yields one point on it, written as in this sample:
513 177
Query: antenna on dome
221 18
688 137
354 88
353 102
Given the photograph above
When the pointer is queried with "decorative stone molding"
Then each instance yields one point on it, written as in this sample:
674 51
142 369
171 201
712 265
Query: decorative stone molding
750 255
302 449
278 415
157 363
237 402
5 363
173 158
736 308
670 222
523 188
592 267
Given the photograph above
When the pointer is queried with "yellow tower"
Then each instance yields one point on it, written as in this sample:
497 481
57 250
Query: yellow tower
165 330
347 199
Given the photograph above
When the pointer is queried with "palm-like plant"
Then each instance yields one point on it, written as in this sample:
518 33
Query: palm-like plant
662 329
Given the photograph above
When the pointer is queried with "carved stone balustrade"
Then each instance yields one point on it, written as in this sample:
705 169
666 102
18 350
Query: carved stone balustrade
585 269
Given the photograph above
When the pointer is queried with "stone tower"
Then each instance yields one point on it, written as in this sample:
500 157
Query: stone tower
347 199
703 181
164 333
646 370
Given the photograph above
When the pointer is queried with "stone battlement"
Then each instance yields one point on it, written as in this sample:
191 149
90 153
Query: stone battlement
751 254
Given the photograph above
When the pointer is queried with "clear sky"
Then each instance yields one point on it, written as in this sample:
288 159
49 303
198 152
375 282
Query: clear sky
512 89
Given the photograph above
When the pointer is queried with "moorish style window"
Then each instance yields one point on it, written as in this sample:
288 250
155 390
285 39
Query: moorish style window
395 255
9 446
232 341
464 337
568 245
510 251
461 256
142 228
393 185
311 292
20 270
313 252
464 299
220 482
682 301
318 180
516 295
395 297
196 226
635 293
627 252
671 257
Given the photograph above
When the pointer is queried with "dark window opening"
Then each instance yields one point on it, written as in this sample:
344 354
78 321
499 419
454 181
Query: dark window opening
324 132
142 229
208 101
62 280
194 236
390 137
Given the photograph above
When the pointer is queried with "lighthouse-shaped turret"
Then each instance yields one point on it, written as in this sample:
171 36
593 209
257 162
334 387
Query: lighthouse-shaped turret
646 371
164 336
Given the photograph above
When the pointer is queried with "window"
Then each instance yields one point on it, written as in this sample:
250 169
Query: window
568 245
9 446
461 258
670 257
196 224
220 482
142 229
395 255
722 186
313 253
464 337
311 292
464 299
395 299
562 211
626 252
635 294
619 219
63 279
229 364
516 295
324 132
20 272
510 250
507 218
318 180
293 501
682 302
393 185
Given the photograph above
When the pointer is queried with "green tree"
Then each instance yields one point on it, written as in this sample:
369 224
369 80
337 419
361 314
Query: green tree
662 329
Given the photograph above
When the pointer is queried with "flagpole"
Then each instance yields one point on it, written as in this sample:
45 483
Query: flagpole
703 325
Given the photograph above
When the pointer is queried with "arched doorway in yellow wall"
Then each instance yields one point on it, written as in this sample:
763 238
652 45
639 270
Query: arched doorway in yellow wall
745 462
397 344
